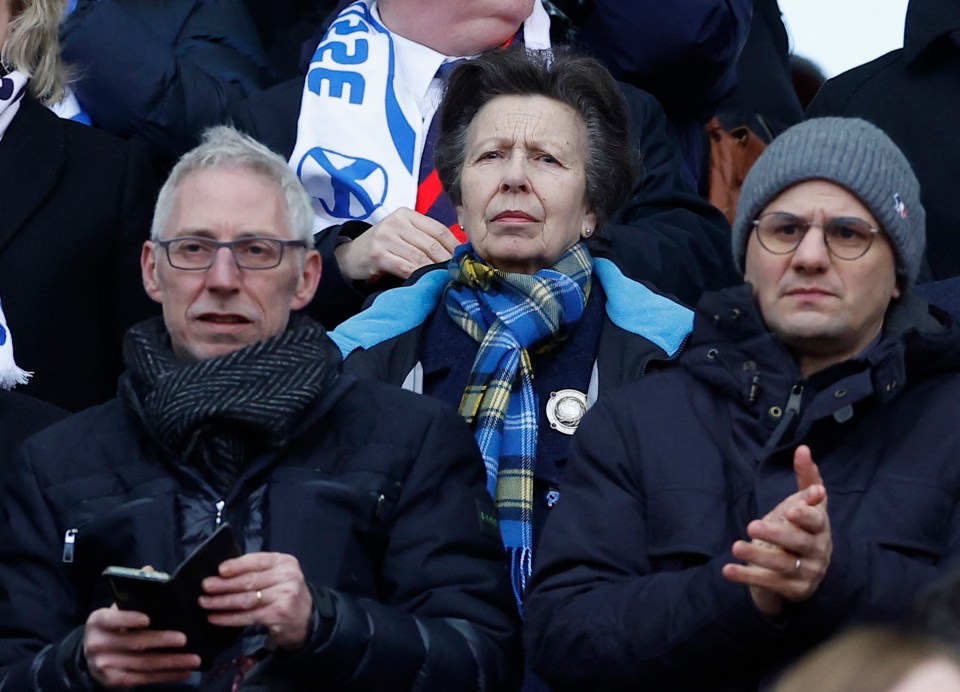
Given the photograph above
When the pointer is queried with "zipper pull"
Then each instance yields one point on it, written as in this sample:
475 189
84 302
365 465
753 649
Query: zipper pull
793 403
220 505
69 540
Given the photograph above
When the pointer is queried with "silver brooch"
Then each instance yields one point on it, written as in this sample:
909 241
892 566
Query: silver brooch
565 409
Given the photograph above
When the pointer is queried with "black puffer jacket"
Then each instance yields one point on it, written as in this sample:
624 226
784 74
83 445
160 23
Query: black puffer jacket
380 497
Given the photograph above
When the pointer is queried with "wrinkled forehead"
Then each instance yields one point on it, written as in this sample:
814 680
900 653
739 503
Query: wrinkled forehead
528 120
227 202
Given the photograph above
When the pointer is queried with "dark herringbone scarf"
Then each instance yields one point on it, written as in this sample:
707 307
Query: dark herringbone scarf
211 414
512 315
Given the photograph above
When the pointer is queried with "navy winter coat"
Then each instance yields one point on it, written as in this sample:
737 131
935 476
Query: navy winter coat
666 473
407 338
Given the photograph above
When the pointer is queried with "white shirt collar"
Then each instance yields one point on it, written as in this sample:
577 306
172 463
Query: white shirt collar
416 64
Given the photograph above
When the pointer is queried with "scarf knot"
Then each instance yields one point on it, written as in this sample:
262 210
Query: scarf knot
512 315
212 413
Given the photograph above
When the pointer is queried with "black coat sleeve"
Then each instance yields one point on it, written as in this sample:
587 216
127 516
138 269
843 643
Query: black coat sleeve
122 295
446 619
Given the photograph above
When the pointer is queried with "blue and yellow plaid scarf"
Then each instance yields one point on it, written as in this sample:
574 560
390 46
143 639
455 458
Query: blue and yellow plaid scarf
512 315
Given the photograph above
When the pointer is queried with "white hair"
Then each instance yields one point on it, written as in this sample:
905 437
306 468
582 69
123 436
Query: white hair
225 147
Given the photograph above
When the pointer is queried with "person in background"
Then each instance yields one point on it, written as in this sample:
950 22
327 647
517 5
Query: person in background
370 556
795 474
875 660
76 210
358 129
159 73
683 53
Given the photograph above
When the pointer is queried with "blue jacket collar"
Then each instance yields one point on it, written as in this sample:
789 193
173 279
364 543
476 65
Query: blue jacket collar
630 305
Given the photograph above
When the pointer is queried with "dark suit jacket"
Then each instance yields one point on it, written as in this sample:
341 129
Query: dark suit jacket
76 208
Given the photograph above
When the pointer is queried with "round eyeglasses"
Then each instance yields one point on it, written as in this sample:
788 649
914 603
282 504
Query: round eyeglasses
197 253
846 237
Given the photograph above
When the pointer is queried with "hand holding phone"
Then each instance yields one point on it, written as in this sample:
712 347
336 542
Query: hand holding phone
170 600
121 652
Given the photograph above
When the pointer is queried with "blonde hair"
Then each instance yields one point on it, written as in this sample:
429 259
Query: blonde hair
32 46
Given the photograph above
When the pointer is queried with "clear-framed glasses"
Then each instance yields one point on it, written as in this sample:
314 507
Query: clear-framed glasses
194 253
846 237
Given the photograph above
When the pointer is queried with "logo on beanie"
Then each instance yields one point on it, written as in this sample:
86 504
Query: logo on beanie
900 207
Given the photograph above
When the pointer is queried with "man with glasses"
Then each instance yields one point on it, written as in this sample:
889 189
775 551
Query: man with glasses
369 552
797 473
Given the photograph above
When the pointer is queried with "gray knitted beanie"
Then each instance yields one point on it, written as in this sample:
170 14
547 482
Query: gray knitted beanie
855 155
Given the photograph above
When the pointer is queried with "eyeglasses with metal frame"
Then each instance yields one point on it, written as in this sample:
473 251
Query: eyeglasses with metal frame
846 237
196 253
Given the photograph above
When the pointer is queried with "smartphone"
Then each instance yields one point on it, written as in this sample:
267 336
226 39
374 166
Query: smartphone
145 591
170 600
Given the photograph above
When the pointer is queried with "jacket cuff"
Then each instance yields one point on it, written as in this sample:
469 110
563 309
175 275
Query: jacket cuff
321 625
73 664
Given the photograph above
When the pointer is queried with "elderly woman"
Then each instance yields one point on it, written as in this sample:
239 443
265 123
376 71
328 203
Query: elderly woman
524 326
76 208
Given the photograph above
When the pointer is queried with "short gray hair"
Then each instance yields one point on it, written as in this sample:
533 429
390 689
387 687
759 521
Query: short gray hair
577 81
32 46
225 147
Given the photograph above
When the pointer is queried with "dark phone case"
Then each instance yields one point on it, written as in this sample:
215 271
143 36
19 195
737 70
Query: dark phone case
172 604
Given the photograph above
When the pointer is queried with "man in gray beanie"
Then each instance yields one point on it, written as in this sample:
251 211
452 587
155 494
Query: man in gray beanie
695 546
858 157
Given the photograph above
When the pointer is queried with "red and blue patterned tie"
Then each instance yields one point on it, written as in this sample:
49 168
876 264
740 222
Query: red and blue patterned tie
431 199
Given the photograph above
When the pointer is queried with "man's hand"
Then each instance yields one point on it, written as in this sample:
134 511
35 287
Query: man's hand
398 245
261 589
121 652
790 548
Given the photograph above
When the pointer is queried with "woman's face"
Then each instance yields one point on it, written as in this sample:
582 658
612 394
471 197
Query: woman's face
523 183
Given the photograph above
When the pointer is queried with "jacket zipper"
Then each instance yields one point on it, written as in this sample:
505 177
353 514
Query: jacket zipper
666 358
69 541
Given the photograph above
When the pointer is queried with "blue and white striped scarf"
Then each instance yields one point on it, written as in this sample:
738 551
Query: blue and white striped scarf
361 132
512 315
